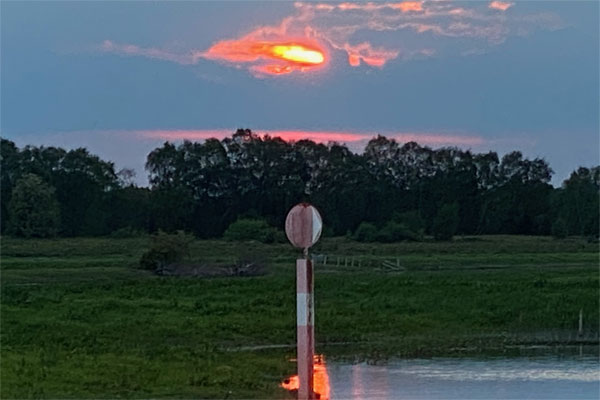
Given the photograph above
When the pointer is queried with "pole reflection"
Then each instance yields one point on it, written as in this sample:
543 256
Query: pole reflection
320 380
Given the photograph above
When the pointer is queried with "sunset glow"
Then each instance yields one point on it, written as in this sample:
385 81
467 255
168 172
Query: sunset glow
290 55
357 139
305 40
298 53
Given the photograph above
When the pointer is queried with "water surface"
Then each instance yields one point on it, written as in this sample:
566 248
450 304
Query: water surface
540 377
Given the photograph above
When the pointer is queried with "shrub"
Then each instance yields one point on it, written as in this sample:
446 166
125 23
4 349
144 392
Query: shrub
412 220
251 229
395 232
366 232
445 222
166 249
33 208
559 229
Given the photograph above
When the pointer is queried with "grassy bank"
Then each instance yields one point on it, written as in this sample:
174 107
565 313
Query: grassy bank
80 321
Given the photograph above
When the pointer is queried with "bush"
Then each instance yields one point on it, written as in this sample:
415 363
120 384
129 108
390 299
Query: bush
366 232
559 229
395 232
445 222
412 220
251 229
33 208
165 250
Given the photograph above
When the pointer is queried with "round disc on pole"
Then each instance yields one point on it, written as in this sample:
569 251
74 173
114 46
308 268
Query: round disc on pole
303 225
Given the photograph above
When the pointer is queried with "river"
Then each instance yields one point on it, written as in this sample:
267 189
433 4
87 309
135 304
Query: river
539 377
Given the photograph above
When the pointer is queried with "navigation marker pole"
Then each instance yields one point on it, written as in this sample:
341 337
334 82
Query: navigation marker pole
305 326
303 228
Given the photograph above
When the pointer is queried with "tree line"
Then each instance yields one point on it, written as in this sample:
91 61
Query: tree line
203 188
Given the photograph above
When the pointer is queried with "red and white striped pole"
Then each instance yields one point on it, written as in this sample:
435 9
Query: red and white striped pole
305 327
303 228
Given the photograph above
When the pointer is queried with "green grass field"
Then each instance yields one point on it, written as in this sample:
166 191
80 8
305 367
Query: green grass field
79 320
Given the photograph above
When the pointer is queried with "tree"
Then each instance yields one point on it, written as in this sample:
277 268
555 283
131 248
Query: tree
203 187
130 208
518 199
366 232
446 222
83 182
559 228
578 201
9 173
33 208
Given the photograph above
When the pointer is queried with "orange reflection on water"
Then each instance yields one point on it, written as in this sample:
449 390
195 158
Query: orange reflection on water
320 379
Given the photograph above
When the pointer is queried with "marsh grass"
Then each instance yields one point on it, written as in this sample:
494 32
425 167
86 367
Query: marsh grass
79 320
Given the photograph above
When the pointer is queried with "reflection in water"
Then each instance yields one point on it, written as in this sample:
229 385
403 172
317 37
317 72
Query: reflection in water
464 378
357 380
320 379
368 381
545 377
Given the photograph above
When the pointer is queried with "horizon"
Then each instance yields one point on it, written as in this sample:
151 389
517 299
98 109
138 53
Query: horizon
357 144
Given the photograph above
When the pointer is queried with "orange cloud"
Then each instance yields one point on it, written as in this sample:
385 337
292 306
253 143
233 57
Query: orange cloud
289 54
294 46
407 6
369 55
304 40
500 5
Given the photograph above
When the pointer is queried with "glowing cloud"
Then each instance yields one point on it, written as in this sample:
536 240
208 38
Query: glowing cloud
293 55
308 38
407 6
370 56
500 5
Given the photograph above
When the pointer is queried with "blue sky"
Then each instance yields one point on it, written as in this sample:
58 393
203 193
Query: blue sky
120 78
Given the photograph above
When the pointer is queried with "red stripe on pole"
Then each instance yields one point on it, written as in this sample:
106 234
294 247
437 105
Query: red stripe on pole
304 276
305 362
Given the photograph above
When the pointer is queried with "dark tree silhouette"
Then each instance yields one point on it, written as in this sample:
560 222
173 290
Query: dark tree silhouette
399 189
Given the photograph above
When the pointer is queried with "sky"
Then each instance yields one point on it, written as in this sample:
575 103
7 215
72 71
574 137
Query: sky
120 78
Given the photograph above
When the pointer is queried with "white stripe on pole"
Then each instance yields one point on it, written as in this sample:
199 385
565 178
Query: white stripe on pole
304 314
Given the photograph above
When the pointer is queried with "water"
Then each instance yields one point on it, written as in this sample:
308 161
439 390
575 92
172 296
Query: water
540 377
